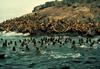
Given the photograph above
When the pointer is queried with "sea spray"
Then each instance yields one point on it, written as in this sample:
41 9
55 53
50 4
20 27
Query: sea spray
62 55
10 33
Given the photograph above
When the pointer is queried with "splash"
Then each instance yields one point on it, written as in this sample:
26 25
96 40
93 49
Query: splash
10 33
62 55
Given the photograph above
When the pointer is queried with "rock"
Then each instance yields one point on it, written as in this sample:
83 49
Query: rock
44 19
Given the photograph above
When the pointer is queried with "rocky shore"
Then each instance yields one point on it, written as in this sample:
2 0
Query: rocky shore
77 18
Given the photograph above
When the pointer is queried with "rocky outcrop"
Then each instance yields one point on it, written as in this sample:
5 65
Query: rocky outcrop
61 3
82 18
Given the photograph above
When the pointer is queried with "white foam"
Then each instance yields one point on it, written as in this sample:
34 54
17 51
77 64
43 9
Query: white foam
3 32
95 46
10 33
26 34
83 46
63 55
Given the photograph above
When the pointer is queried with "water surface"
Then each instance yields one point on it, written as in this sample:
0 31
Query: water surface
51 56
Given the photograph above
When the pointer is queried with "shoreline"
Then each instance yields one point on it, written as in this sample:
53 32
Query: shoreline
71 34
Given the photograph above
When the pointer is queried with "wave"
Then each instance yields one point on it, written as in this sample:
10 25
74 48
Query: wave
95 46
62 55
83 46
10 33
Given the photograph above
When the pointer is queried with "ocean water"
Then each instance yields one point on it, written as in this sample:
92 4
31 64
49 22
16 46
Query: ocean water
49 55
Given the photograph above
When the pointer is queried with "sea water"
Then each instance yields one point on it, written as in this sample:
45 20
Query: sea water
53 57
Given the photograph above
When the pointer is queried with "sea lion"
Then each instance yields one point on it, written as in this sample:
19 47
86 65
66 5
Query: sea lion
2 56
